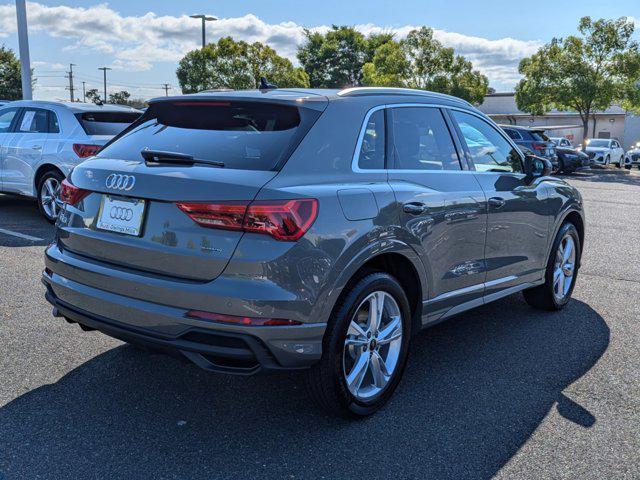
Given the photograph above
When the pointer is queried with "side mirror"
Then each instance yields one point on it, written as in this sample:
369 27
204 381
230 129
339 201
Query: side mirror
536 167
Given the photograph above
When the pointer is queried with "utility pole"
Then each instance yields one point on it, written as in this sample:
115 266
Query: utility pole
104 71
204 19
23 43
84 92
70 72
166 87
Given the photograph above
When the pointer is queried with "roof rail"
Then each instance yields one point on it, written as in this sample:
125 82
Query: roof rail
361 91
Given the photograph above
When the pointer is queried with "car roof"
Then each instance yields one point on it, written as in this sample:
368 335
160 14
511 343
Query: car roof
76 107
319 94
522 127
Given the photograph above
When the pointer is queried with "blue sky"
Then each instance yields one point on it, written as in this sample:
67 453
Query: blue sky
142 40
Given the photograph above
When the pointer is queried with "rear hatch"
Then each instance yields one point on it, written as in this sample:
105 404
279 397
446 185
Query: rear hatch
543 144
180 152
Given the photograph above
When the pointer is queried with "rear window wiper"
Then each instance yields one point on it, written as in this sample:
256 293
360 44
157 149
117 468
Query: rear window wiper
159 156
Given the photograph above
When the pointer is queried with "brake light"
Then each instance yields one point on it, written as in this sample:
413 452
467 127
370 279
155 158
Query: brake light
285 220
539 146
70 193
84 150
252 321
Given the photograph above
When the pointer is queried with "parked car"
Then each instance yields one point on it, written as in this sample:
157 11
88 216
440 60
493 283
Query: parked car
569 159
4 102
533 140
604 151
40 142
632 157
243 231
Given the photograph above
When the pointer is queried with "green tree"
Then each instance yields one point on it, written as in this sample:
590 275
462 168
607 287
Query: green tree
93 96
119 98
435 67
388 67
236 65
334 59
583 73
10 81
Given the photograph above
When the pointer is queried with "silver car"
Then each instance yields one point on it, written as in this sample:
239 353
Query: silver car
40 142
319 230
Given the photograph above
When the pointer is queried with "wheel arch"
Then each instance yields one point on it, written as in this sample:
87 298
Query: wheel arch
42 169
396 259
577 219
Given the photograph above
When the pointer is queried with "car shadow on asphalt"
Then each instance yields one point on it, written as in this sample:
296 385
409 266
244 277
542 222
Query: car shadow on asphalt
474 391
597 176
20 215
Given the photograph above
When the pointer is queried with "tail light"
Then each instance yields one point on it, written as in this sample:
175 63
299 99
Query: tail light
253 321
70 193
84 150
285 220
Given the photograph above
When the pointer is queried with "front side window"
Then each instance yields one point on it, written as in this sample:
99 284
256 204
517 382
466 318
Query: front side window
489 150
422 140
33 121
6 117
372 149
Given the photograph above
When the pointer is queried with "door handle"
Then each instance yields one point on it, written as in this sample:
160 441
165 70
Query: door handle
414 208
37 147
496 202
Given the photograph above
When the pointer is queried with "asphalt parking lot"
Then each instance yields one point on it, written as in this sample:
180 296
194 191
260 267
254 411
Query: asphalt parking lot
502 391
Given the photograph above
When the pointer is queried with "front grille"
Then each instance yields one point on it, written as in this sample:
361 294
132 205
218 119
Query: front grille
591 154
635 157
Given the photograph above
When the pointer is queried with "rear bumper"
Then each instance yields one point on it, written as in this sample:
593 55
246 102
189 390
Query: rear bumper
226 348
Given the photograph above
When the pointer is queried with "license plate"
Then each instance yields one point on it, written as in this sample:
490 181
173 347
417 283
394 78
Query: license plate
121 215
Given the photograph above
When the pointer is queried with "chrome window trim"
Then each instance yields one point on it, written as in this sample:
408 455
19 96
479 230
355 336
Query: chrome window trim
356 154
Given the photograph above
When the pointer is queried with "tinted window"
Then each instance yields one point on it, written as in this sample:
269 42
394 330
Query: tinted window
54 125
598 143
513 134
422 140
490 151
539 137
372 150
33 121
244 135
6 117
106 123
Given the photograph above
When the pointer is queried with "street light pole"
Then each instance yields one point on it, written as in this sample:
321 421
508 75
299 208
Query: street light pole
204 19
23 43
104 71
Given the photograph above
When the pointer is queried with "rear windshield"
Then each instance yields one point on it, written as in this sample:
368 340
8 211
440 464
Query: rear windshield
540 137
106 123
241 135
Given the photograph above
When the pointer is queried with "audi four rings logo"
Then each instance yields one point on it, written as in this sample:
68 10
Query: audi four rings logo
121 213
118 181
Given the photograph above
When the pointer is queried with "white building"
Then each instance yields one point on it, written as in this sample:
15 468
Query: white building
614 122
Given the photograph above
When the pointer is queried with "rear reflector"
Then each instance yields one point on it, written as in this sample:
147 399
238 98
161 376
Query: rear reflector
71 194
285 220
252 321
84 150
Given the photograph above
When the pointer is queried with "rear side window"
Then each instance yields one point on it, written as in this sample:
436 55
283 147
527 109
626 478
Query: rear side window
106 123
54 125
540 137
489 150
241 135
6 117
33 120
422 140
372 149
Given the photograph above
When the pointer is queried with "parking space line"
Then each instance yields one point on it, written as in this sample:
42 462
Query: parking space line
20 235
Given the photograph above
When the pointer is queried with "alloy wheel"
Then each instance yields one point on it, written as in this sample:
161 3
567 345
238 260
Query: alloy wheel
564 267
48 194
372 346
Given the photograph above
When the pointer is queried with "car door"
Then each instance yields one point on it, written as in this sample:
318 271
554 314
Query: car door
517 228
24 150
7 122
617 154
441 206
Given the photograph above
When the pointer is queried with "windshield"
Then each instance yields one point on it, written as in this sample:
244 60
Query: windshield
598 143
242 135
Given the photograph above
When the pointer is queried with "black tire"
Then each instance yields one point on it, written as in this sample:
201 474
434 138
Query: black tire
561 167
326 380
542 296
50 174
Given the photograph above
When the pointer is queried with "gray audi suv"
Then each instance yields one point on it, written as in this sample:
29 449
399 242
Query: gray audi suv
285 229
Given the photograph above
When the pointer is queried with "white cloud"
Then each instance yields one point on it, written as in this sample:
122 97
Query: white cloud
136 43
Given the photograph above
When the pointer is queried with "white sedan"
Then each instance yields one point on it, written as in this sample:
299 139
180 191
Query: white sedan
40 142
605 151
